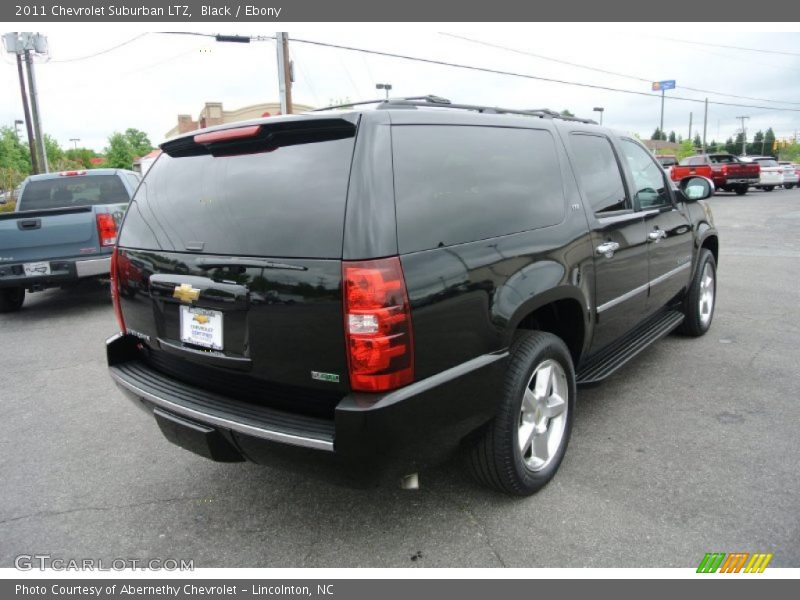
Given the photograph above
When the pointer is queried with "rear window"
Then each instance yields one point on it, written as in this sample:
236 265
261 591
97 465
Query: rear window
765 162
723 159
457 184
69 191
288 201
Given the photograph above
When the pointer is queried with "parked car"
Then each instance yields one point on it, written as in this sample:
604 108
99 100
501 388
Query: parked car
63 230
374 290
791 174
727 171
667 161
771 174
679 172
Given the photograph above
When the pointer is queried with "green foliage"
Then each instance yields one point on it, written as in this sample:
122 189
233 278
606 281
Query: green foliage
81 157
685 150
658 135
566 113
672 137
698 142
790 152
123 148
14 155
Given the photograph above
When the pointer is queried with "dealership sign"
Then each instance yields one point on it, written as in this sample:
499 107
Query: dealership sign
660 86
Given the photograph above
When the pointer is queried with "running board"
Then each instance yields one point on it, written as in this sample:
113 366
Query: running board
617 354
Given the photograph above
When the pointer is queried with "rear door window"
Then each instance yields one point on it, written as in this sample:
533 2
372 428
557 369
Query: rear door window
599 173
73 190
286 201
457 184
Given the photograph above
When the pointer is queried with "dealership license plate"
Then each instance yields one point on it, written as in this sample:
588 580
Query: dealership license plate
36 269
201 327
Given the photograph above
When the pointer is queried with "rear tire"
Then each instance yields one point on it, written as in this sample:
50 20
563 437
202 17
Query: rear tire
740 190
11 299
701 299
788 186
537 406
768 188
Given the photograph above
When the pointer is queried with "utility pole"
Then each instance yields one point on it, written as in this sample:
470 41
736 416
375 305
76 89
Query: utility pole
75 142
27 112
690 125
744 136
661 127
705 125
284 72
37 124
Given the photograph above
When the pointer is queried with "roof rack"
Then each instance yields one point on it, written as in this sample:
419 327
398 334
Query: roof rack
438 101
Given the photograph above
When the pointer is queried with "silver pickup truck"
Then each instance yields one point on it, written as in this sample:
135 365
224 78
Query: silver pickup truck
63 229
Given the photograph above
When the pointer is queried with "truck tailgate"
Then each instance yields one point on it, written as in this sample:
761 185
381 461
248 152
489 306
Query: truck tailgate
48 234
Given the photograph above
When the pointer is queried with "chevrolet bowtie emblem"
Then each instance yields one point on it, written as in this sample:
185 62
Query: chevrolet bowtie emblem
202 319
185 292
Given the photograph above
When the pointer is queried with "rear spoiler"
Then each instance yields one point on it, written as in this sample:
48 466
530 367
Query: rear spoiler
250 138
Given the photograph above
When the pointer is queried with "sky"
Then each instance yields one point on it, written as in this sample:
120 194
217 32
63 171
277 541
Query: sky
87 90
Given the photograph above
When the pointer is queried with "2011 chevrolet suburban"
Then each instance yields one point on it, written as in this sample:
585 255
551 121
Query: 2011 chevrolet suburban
381 286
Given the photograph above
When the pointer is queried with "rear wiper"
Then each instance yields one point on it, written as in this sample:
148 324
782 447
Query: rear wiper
216 263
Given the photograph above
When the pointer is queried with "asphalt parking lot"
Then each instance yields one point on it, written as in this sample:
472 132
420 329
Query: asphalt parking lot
691 448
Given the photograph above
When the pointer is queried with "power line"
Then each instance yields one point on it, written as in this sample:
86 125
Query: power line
106 51
730 47
604 71
527 76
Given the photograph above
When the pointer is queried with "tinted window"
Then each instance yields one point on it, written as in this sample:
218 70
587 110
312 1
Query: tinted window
598 171
286 202
69 191
723 159
765 162
456 184
650 186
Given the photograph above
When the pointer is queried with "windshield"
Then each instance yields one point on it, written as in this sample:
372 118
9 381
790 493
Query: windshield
72 191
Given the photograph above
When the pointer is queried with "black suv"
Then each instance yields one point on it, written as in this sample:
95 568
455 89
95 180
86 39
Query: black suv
380 286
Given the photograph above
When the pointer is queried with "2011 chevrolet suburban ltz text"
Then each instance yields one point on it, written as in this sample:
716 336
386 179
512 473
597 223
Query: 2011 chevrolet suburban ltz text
380 287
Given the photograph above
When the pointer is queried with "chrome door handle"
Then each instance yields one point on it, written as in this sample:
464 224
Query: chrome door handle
656 235
607 249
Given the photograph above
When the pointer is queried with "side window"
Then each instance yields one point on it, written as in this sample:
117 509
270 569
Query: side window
459 183
650 185
599 173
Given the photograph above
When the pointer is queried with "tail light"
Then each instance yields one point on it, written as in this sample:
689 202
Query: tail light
115 290
380 345
724 169
106 229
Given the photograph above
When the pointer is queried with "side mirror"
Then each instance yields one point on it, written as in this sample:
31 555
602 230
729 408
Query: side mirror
696 188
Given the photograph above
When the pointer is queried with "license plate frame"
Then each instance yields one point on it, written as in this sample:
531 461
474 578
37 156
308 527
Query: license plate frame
202 327
36 269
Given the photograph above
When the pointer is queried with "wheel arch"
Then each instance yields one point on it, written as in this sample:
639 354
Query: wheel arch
560 311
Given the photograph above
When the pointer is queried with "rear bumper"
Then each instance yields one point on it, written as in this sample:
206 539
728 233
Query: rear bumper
378 434
723 182
62 271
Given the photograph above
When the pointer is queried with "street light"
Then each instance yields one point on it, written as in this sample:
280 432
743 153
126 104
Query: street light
75 142
17 123
384 86
599 109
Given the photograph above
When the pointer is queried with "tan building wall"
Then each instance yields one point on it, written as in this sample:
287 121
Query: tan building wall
214 114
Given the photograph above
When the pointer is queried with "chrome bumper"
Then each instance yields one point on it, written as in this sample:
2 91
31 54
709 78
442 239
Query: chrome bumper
93 267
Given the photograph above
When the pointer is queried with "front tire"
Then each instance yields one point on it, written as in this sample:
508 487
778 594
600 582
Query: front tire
523 446
11 299
768 188
740 190
698 306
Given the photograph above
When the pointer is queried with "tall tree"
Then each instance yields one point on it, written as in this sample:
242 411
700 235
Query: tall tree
672 138
140 143
698 143
119 152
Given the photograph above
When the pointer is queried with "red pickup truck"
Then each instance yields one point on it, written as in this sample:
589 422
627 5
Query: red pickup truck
725 170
